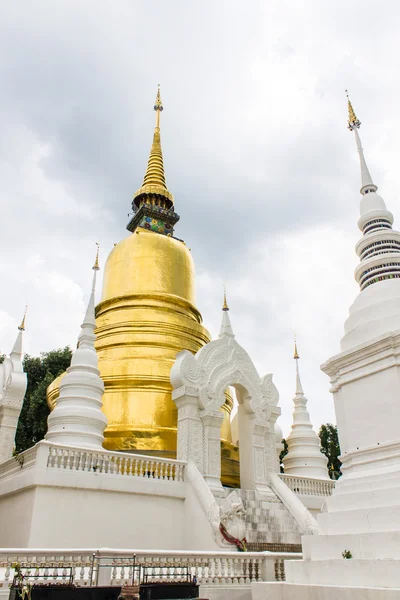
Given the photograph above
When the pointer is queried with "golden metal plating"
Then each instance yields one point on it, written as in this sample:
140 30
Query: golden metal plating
22 326
96 262
225 305
352 121
154 184
296 354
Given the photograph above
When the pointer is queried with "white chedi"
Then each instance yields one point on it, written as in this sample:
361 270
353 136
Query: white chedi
77 419
304 457
13 383
376 309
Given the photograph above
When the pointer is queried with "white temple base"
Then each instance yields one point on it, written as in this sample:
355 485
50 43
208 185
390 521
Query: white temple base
295 591
72 497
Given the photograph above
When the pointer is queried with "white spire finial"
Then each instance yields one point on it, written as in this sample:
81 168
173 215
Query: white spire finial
299 388
16 352
367 185
226 327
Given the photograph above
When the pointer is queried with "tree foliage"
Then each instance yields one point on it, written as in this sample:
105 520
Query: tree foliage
328 434
283 453
41 371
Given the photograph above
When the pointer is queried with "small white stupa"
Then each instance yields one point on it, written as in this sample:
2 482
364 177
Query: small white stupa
13 384
77 419
304 455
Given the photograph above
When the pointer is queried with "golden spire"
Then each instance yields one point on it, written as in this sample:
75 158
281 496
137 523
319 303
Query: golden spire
296 354
353 121
22 326
225 305
154 180
96 262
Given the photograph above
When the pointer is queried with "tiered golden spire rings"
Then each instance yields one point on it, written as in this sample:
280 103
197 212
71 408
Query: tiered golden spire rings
296 354
154 180
22 326
353 121
96 262
225 305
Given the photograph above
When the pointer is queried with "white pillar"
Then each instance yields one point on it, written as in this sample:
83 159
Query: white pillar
212 421
190 430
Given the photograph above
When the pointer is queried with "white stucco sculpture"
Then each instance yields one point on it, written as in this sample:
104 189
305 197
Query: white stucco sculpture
199 382
13 383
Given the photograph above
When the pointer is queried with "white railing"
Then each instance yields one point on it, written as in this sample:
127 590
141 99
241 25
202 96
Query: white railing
115 463
308 486
54 456
24 460
116 567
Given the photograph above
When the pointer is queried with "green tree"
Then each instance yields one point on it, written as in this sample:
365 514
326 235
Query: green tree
328 434
283 453
41 371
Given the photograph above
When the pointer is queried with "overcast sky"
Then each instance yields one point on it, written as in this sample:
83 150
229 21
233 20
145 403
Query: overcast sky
256 151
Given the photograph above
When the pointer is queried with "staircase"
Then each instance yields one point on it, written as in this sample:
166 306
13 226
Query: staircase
269 525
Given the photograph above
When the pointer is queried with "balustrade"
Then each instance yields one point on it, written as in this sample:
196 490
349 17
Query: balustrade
115 463
117 567
308 486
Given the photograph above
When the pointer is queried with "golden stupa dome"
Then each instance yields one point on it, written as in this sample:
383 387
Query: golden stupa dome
146 262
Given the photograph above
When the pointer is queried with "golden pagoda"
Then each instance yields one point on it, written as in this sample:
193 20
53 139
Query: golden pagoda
147 314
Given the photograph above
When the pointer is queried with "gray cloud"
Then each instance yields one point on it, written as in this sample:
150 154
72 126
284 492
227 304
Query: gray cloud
256 152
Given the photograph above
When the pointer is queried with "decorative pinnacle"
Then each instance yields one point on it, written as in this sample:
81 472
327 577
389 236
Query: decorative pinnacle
22 326
225 305
96 262
353 122
158 104
296 354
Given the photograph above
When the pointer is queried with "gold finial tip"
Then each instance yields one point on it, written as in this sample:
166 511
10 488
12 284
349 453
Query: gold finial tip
158 103
96 262
22 326
353 122
296 354
225 305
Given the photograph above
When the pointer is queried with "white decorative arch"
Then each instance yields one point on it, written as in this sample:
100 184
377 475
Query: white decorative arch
199 382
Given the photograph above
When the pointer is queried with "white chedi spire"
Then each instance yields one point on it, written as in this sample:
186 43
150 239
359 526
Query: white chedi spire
77 419
377 309
13 383
226 327
304 457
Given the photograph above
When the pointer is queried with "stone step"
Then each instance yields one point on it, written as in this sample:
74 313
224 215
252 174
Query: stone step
346 572
380 545
361 520
364 499
298 591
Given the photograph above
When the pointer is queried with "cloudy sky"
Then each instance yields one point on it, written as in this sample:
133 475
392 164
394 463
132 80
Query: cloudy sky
256 150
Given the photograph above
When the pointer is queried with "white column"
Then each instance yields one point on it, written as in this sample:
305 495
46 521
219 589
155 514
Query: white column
190 430
212 421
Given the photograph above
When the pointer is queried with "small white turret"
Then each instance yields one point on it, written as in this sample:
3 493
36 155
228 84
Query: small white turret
77 419
13 384
304 455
